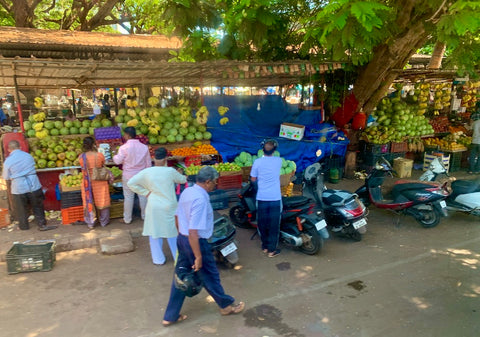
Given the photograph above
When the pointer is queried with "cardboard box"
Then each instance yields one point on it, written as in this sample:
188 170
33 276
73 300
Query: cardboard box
403 167
292 131
285 179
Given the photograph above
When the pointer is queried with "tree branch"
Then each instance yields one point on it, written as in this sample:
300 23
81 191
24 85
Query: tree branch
5 5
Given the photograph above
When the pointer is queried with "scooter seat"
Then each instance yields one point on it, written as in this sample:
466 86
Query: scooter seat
399 188
336 198
464 187
296 201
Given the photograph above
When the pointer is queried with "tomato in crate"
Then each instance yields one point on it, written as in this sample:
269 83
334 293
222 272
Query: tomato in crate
193 160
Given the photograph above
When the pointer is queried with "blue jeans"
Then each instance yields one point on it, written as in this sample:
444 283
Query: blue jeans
208 274
475 158
269 213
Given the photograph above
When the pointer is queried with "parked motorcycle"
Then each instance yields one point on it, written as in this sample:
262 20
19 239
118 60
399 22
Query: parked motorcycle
302 223
344 211
465 194
223 241
424 201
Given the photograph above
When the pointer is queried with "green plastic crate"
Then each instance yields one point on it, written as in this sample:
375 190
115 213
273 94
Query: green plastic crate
22 258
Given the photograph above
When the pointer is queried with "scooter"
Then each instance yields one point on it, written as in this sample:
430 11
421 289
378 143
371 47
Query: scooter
302 223
223 241
344 211
465 194
422 200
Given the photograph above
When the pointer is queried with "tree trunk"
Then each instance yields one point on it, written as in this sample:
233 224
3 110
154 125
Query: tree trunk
437 55
377 76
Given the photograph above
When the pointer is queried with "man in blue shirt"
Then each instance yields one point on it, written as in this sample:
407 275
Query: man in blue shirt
19 168
266 173
195 226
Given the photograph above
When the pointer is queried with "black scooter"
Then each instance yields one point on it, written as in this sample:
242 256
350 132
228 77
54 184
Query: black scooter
223 241
344 211
302 223
422 200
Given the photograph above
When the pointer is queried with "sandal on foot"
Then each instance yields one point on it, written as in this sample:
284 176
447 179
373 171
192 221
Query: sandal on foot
181 318
274 253
265 251
233 309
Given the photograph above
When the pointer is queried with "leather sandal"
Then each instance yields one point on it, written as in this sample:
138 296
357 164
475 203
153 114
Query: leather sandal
181 318
233 309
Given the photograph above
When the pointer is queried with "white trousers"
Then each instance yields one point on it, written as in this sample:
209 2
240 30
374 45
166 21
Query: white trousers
156 248
128 200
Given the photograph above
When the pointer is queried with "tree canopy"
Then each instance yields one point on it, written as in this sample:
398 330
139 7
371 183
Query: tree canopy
377 36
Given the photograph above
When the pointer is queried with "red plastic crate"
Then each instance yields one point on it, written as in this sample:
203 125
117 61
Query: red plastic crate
228 182
72 214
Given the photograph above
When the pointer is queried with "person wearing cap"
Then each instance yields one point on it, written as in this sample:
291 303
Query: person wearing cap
195 226
475 146
266 174
157 183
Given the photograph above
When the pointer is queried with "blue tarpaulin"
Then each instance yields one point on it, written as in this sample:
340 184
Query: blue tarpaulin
254 118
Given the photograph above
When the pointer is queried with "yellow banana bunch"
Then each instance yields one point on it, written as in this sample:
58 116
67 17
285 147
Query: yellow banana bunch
203 111
143 113
131 103
132 113
184 112
224 120
222 110
41 134
39 117
146 121
132 122
153 101
183 102
38 126
153 130
38 102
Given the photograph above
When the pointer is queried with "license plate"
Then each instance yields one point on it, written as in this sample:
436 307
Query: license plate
320 225
359 223
228 249
443 203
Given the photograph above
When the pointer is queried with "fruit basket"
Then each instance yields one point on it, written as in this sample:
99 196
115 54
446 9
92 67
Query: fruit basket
23 258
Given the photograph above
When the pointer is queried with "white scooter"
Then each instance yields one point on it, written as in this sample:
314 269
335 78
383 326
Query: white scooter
465 194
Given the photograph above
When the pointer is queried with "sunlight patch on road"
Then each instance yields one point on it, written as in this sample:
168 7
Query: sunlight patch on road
420 303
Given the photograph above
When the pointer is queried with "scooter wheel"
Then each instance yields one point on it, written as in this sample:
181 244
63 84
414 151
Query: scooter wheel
428 218
238 215
313 242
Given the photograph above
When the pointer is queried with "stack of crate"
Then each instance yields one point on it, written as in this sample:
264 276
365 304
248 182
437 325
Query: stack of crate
71 204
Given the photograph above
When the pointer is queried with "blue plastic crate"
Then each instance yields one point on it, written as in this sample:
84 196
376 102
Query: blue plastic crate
110 132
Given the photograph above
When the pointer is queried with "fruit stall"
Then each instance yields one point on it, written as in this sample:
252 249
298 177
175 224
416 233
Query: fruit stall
420 120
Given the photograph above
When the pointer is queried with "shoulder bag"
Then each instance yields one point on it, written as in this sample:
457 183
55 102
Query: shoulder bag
101 173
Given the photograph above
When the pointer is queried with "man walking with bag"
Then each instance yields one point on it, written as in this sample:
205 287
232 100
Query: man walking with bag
195 227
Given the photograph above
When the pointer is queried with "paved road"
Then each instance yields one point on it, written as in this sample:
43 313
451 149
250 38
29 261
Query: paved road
401 280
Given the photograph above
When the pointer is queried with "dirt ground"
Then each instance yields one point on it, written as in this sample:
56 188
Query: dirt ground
400 280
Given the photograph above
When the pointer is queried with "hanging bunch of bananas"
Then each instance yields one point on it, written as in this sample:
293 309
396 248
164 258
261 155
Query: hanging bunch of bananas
39 117
222 110
153 101
202 115
131 103
224 120
38 102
